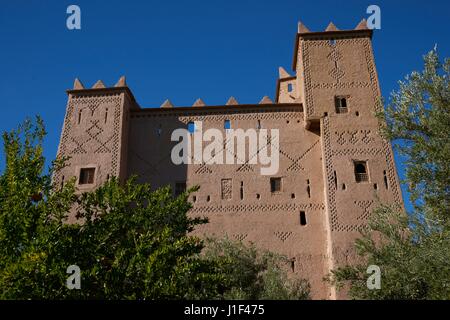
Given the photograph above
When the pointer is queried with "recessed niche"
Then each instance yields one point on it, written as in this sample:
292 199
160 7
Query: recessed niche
302 218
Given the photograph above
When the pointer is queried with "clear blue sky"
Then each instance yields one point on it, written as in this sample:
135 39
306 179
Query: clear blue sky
183 50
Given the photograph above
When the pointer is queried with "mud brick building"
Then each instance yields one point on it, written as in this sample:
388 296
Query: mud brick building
334 166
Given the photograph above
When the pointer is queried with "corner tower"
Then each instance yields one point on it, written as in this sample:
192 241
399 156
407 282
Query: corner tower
338 86
95 133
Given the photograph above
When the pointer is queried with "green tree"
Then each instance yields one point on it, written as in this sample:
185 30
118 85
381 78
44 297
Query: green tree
133 243
412 251
253 273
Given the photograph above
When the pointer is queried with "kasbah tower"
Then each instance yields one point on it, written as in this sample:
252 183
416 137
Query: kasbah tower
334 166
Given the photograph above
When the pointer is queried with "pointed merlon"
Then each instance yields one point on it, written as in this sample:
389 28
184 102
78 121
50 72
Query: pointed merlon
121 83
167 104
98 85
199 103
266 100
302 28
232 102
77 85
362 25
331 27
283 73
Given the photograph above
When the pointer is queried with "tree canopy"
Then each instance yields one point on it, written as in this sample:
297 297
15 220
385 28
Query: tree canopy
131 242
412 250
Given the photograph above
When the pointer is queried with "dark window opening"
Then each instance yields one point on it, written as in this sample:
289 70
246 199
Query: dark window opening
361 171
293 195
258 126
308 188
343 186
180 187
241 191
302 218
62 182
341 104
194 198
335 180
258 196
357 113
79 117
293 264
106 115
275 184
386 185
86 176
208 198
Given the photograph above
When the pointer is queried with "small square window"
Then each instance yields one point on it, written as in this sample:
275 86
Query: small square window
289 87
275 185
86 176
191 127
180 187
361 173
227 124
341 104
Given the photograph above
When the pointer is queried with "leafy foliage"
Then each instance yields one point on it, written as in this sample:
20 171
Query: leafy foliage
418 122
132 242
413 257
413 252
255 274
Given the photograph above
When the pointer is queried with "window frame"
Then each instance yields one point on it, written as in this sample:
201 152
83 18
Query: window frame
359 176
273 180
89 178
338 104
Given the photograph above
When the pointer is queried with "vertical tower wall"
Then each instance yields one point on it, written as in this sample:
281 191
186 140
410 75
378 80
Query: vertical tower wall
105 129
334 65
95 135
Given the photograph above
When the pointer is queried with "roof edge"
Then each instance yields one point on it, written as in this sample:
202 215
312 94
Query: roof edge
325 35
218 107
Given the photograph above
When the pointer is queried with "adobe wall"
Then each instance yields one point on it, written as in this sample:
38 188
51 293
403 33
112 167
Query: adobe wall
272 221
